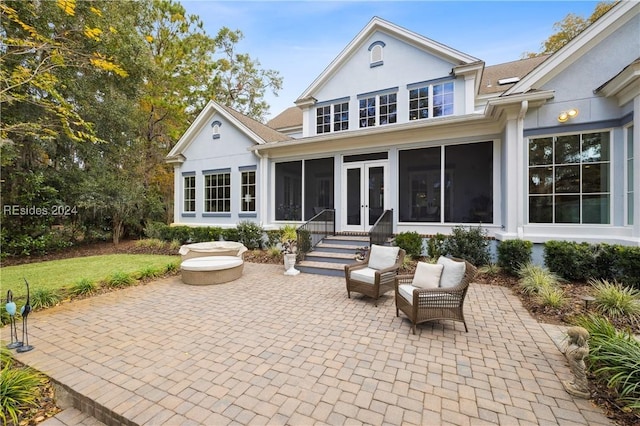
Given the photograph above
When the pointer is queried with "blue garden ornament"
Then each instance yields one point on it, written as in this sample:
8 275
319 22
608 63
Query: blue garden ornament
24 311
11 310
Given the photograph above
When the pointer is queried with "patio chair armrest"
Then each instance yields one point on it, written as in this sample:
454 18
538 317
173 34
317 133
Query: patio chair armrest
403 279
353 266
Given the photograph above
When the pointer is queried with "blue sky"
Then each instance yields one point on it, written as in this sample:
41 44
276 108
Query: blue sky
299 39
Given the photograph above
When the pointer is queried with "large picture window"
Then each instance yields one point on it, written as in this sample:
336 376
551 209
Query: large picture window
189 194
217 192
447 184
569 179
248 191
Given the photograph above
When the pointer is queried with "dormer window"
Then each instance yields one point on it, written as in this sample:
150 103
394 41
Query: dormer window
375 49
215 129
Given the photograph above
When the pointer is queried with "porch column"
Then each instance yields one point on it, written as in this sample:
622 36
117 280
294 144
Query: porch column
178 191
514 170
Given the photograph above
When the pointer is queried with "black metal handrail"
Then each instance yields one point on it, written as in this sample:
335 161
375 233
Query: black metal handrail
315 230
382 230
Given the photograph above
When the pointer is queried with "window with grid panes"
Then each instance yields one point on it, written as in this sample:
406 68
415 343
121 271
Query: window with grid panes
341 116
248 191
367 111
569 179
388 108
323 119
217 192
189 199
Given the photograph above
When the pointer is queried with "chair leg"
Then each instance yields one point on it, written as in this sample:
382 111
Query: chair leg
397 311
465 326
413 328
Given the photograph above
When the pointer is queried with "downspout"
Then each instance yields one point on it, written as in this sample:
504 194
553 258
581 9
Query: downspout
521 168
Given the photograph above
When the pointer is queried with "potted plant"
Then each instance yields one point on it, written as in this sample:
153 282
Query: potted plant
289 243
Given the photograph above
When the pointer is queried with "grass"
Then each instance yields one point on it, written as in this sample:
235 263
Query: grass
58 274
615 300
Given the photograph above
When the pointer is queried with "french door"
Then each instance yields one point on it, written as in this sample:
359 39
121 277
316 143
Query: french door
363 194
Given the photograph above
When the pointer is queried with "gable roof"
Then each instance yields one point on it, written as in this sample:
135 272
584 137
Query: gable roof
617 16
257 132
290 117
494 76
379 24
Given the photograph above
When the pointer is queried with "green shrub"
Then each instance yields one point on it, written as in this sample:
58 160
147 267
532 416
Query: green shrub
491 269
552 296
230 234
273 237
274 252
119 279
566 258
4 315
436 246
469 244
615 300
534 278
19 390
304 241
250 234
44 298
174 245
179 233
614 358
156 230
83 287
172 267
627 265
514 253
201 234
152 243
149 272
410 242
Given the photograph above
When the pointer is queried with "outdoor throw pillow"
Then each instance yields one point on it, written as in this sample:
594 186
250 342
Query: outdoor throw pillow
382 257
452 273
427 275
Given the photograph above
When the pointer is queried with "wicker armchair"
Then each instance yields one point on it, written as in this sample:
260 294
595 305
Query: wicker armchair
376 274
430 304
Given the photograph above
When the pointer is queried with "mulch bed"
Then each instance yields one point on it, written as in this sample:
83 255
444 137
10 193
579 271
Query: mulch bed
601 395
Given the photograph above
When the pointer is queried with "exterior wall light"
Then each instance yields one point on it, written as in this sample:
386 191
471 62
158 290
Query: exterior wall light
565 116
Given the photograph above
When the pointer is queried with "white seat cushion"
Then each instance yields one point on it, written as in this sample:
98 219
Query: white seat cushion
406 292
382 257
211 263
427 275
452 273
365 275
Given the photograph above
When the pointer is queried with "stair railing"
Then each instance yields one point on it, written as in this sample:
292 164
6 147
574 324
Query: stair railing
382 230
315 230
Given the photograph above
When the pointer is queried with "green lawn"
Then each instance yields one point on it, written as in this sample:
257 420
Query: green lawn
57 274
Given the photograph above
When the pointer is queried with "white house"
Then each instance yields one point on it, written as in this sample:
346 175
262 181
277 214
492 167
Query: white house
539 149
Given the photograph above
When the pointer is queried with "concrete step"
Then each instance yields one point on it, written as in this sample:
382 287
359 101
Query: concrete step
321 268
330 257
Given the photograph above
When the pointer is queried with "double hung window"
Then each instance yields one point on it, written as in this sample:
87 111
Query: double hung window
630 176
248 191
189 194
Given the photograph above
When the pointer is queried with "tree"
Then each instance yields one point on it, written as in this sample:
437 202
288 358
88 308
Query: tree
567 29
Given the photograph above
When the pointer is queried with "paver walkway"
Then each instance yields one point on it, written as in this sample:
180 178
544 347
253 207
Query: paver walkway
274 349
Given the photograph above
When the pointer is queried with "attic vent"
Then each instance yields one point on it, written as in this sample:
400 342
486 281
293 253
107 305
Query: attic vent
215 129
509 80
375 48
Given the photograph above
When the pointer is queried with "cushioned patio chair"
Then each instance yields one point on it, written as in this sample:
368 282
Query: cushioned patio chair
435 291
376 274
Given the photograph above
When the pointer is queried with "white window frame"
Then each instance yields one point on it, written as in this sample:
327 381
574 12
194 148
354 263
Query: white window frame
431 99
191 197
212 200
244 191
630 190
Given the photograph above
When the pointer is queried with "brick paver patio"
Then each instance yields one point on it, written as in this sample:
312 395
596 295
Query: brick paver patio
274 349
